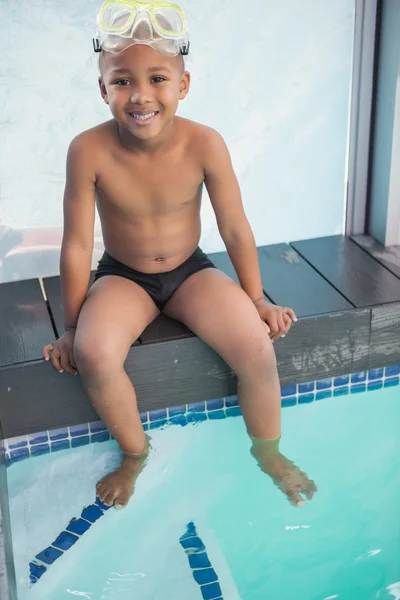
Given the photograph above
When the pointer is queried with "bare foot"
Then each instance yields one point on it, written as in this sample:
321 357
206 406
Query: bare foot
283 472
117 487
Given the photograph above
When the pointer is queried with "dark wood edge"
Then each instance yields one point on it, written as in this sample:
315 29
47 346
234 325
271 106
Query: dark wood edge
8 587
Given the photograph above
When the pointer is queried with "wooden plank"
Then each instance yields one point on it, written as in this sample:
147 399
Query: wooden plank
52 287
34 397
25 325
324 346
385 336
388 257
165 329
290 281
357 276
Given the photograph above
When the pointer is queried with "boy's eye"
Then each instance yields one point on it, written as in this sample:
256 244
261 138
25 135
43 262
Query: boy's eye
122 82
157 79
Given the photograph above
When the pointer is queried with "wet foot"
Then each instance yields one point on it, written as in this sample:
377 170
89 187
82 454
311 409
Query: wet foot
287 477
117 487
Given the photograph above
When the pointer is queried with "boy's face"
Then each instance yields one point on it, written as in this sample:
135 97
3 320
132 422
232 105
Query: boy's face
143 88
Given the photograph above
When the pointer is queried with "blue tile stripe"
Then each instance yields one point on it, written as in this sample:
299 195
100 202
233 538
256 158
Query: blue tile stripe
200 564
67 538
45 442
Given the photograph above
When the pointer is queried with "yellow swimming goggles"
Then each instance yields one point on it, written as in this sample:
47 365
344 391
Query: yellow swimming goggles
123 23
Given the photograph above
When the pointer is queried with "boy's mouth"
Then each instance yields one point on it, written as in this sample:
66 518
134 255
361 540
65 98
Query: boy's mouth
143 118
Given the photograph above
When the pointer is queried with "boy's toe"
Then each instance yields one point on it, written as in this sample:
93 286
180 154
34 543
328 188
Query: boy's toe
295 499
123 499
109 498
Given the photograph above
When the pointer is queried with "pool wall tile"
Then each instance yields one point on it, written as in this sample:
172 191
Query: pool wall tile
64 438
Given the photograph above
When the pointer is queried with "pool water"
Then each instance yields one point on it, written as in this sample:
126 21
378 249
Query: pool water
202 498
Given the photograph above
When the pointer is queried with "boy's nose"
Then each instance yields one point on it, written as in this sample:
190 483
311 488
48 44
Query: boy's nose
141 95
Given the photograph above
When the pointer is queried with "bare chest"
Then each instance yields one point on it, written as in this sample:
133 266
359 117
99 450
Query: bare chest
136 189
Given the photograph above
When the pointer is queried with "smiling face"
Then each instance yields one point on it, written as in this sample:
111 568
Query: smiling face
143 88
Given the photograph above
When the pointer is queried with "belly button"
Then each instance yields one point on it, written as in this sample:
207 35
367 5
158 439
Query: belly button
159 259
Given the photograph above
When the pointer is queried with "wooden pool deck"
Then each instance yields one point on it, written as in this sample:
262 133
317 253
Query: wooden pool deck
345 291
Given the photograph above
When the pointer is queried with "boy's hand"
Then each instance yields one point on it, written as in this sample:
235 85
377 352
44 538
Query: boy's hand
61 353
278 319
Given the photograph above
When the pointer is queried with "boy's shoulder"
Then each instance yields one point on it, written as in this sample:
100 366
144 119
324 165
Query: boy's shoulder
204 141
93 136
199 131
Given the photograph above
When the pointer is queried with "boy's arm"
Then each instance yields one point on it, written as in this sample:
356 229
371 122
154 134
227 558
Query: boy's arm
78 237
235 230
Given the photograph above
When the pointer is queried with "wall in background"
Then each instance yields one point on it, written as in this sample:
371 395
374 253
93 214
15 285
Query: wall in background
274 79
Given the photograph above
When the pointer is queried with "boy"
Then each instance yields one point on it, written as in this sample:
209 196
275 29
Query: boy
145 170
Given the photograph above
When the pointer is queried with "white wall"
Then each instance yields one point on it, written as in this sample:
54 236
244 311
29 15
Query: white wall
274 79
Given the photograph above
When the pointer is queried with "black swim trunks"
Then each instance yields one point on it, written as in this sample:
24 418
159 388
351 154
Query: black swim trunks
159 286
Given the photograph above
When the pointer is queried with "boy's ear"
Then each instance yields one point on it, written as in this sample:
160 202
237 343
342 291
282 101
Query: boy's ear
184 85
103 90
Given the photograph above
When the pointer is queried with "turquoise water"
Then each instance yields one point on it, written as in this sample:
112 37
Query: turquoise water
345 544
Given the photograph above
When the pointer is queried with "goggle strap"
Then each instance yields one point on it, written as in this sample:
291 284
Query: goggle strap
96 45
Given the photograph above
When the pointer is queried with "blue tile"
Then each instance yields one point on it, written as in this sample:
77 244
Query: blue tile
288 390
341 391
358 377
49 555
203 576
62 445
324 384
216 414
40 449
19 454
211 592
216 404
392 370
146 427
65 540
196 407
286 402
375 385
97 427
101 505
35 572
78 526
144 417
323 395
391 382
356 389
8 460
305 388
179 420
157 424
77 430
199 561
190 531
158 415
375 374
342 380
21 443
192 543
196 417
91 513
233 412
58 434
38 438
231 401
306 398
80 441
176 410
102 436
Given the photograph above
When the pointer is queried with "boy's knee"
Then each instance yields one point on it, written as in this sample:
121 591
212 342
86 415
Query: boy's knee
94 357
257 358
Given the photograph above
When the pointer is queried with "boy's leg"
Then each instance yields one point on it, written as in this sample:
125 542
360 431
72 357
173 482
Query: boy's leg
113 316
220 312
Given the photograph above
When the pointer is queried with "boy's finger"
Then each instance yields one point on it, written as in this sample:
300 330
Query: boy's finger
72 359
46 351
288 322
65 365
281 324
55 360
291 313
